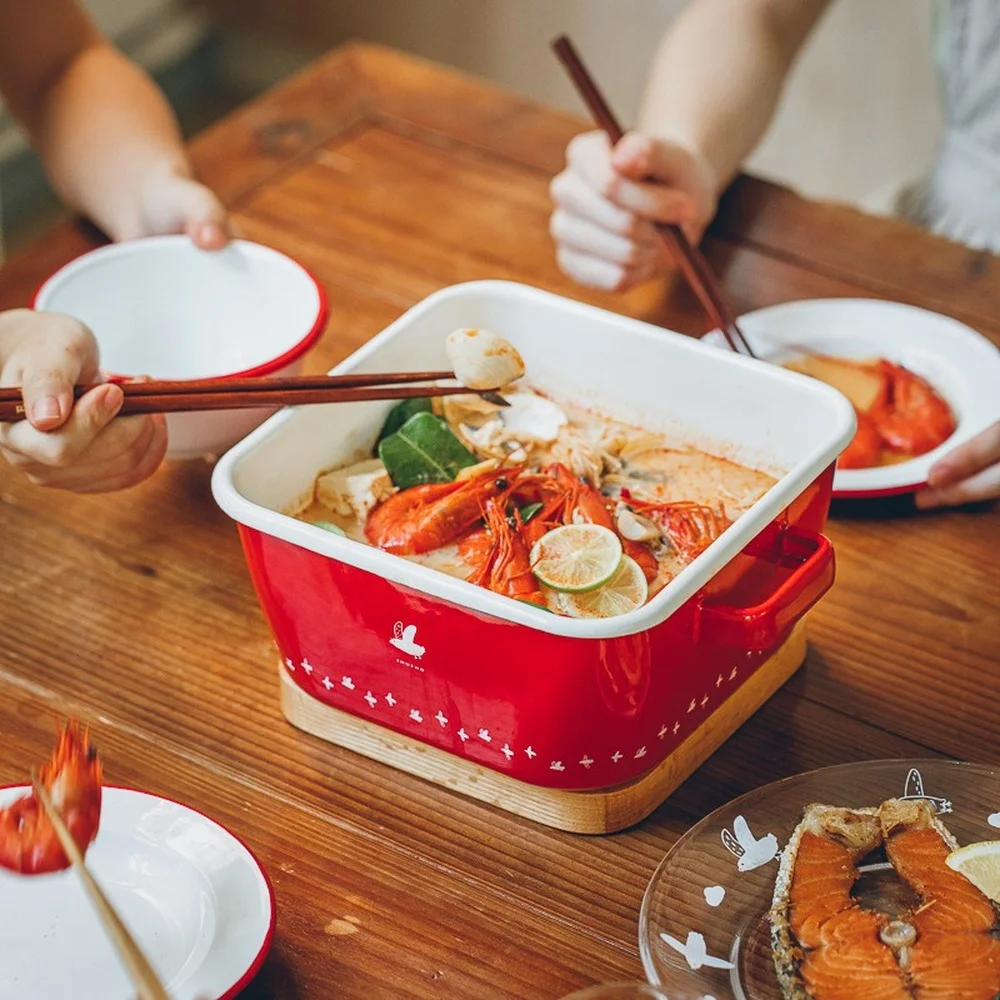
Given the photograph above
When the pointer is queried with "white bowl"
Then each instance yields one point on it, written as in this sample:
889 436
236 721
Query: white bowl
163 308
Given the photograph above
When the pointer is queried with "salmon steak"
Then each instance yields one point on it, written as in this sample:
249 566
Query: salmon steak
827 945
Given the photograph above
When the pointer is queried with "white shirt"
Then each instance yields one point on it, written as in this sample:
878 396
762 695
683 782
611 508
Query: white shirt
960 198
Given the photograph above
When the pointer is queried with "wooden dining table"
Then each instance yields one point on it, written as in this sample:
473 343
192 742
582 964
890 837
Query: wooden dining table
390 178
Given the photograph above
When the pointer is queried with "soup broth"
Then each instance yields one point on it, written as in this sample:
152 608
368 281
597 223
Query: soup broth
557 464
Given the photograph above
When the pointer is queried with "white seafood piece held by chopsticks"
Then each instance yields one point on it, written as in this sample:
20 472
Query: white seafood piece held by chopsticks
482 359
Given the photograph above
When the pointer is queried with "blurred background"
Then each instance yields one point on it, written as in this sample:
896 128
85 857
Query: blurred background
860 117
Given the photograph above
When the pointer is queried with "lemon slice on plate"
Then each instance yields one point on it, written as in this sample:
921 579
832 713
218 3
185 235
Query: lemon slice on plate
576 557
980 864
625 591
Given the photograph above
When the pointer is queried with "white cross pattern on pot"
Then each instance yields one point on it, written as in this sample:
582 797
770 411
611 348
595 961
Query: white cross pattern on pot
483 733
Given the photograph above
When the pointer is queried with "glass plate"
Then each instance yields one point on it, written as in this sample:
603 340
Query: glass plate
704 922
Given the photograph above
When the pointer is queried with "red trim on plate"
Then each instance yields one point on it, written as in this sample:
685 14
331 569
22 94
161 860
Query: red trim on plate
266 367
38 290
258 960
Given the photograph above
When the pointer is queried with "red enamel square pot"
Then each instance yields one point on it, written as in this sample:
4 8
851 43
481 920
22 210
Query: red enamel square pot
552 701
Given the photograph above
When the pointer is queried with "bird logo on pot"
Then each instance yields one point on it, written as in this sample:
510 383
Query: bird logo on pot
405 640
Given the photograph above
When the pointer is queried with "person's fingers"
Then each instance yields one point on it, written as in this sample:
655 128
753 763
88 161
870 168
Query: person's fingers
574 233
206 220
984 485
975 455
77 433
653 200
48 398
196 209
641 157
121 460
136 465
571 193
54 354
600 274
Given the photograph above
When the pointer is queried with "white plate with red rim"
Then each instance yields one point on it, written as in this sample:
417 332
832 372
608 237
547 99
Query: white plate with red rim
962 365
194 897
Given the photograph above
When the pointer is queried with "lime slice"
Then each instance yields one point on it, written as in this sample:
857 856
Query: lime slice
576 557
625 591
329 526
980 864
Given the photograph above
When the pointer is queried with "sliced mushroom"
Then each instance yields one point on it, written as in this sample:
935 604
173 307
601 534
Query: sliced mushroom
487 439
471 409
637 528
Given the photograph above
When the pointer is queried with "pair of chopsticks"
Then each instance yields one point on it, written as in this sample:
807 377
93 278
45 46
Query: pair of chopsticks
696 269
235 393
144 979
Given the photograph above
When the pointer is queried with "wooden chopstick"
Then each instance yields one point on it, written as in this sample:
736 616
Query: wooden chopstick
696 269
144 979
160 387
146 397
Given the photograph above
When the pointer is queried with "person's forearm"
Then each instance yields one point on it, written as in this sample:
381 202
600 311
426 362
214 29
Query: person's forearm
97 162
718 76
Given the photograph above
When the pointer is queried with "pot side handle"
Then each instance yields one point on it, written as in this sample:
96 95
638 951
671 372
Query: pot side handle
791 571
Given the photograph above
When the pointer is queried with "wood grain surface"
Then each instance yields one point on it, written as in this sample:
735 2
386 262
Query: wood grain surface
390 178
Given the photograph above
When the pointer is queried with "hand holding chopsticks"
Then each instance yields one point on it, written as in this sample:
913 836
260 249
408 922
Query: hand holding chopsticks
696 269
144 979
233 393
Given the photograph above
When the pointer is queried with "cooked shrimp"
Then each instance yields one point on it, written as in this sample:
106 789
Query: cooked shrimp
72 778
